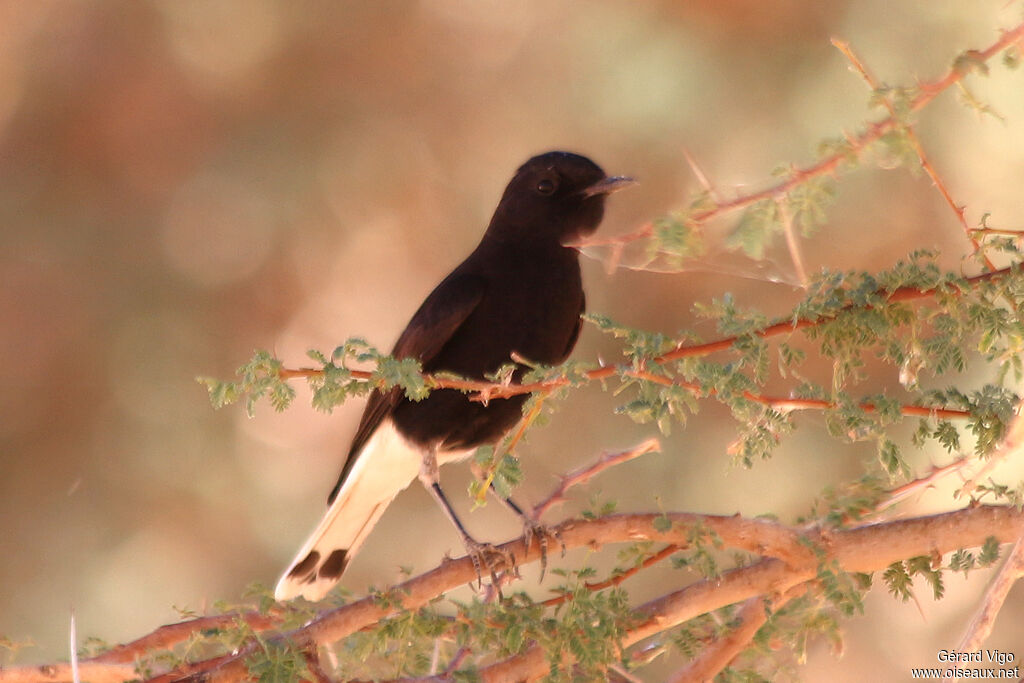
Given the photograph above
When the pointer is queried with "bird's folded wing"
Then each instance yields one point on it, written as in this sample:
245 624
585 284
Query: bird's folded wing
431 327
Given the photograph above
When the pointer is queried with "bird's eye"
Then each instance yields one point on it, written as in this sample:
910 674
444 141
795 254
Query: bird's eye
546 186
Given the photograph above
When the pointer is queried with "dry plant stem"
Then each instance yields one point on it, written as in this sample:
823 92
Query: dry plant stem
901 493
982 623
701 177
868 548
785 405
863 549
915 142
579 476
171 634
789 326
791 242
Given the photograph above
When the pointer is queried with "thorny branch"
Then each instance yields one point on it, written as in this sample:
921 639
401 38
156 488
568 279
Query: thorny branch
830 164
915 142
484 390
787 562
720 653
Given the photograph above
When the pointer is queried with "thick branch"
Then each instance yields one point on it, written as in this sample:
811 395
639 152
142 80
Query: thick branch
788 562
94 672
862 549
719 654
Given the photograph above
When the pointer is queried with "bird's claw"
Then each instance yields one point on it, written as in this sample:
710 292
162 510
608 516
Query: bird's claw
542 532
493 559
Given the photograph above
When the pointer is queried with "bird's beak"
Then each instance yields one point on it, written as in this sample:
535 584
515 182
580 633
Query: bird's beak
608 185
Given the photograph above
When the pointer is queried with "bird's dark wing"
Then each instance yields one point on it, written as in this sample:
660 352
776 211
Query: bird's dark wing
441 314
579 324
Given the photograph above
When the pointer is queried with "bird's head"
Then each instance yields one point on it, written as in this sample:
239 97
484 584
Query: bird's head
556 197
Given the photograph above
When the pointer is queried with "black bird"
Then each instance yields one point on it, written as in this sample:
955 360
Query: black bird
519 294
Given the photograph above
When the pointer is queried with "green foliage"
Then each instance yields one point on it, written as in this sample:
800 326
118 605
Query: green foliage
9 648
807 203
588 626
964 561
1011 57
1002 493
754 231
259 378
839 506
700 555
676 238
277 662
898 577
637 345
597 508
501 470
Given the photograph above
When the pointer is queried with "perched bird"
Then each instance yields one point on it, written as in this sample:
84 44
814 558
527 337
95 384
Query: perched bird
519 294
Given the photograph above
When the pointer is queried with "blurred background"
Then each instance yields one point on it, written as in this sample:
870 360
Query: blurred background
183 182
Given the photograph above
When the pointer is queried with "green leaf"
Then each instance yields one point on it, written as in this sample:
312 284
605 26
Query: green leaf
755 229
897 580
807 203
989 552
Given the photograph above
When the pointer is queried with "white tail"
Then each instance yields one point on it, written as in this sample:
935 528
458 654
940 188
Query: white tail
385 466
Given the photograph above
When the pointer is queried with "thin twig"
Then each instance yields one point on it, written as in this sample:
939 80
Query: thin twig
620 577
786 218
490 390
581 475
915 142
169 635
856 146
901 493
702 178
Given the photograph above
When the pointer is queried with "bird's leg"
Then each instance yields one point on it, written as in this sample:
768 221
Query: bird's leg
481 554
533 528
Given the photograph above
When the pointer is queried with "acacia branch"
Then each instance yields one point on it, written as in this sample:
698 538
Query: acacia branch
482 390
92 671
982 623
915 142
720 653
856 146
583 474
788 561
170 635
863 549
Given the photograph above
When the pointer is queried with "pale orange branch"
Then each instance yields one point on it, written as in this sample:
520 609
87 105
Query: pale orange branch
915 142
719 654
579 476
985 618
829 165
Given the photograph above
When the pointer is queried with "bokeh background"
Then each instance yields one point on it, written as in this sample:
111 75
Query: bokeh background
182 182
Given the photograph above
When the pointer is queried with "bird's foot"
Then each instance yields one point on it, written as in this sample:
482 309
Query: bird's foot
492 559
533 529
